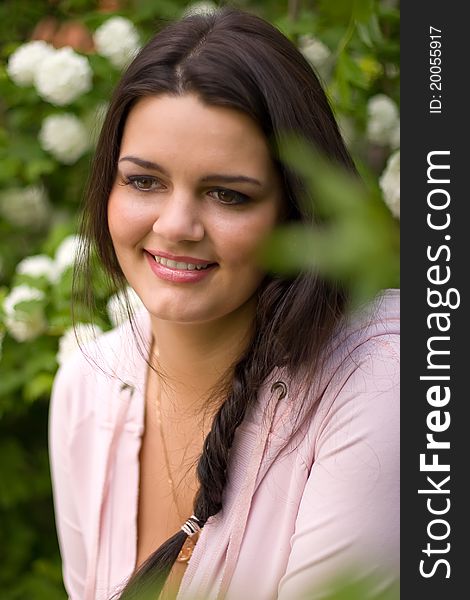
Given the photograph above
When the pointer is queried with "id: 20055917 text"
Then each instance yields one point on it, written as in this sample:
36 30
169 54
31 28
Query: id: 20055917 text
435 70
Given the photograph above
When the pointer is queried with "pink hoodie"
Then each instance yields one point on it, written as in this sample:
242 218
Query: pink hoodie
293 516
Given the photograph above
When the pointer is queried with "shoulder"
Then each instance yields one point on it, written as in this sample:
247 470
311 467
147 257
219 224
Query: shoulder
109 353
356 395
91 361
358 401
375 322
365 353
96 370
362 355
368 342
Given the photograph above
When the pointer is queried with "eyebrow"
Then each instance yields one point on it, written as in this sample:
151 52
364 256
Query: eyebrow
147 164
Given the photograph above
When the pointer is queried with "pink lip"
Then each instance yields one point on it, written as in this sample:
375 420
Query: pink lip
186 259
179 275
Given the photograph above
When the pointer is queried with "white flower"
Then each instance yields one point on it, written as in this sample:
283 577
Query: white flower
25 61
25 207
39 265
315 52
66 254
24 324
390 184
63 76
383 120
21 293
65 137
200 8
116 307
74 337
117 39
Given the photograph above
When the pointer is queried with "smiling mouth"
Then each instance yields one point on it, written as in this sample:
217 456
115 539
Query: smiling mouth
181 266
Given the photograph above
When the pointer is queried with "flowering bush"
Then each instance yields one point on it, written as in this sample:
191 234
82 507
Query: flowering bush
74 337
37 266
52 106
317 53
66 254
63 76
118 40
117 306
65 137
25 207
26 61
24 313
383 125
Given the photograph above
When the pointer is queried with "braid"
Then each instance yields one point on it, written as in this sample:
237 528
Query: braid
211 471
212 466
149 579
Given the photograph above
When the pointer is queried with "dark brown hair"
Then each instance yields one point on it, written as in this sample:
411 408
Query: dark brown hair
237 60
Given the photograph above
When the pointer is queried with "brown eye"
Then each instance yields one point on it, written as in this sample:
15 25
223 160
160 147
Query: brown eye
144 183
226 196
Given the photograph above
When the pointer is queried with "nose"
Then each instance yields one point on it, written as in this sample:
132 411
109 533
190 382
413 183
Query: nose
179 218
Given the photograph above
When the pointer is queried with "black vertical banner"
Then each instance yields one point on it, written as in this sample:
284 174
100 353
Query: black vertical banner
435 167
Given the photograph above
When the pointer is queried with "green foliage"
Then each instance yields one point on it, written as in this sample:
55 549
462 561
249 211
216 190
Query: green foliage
343 245
39 203
348 587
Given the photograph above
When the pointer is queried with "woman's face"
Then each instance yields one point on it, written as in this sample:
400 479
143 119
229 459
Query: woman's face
195 193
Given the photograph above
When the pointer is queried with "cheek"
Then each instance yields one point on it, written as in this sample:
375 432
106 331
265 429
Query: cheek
125 220
239 240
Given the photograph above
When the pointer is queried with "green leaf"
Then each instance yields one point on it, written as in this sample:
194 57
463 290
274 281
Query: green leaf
342 82
363 10
30 307
39 386
304 25
351 72
37 167
40 282
355 239
339 10
11 381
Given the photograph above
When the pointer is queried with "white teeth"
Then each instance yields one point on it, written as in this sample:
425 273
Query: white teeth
173 264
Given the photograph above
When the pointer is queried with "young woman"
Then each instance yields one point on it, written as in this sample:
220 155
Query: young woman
238 438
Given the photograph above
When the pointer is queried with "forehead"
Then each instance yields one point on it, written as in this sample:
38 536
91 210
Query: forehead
185 129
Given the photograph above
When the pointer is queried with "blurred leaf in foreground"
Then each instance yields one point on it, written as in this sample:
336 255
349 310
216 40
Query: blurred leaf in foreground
348 587
354 239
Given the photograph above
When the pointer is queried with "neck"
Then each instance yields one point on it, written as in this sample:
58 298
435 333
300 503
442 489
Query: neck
193 357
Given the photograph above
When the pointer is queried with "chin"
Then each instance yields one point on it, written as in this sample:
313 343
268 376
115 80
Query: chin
176 314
